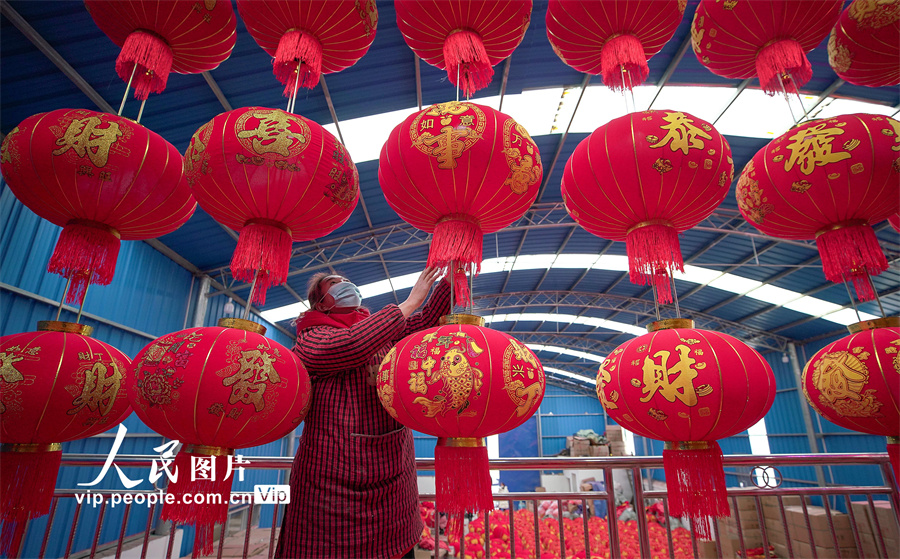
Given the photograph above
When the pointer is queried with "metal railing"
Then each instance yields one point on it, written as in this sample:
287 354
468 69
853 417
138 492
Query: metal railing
884 535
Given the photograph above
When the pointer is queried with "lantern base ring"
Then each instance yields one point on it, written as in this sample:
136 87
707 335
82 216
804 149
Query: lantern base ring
648 223
65 327
464 442
669 324
207 450
687 445
30 447
893 440
865 325
462 318
241 324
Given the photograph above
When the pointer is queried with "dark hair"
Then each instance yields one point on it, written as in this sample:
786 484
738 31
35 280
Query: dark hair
313 294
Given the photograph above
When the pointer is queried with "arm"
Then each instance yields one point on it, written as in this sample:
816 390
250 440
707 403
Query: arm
326 351
437 306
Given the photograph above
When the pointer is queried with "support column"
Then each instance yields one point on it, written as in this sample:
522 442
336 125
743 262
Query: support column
202 302
804 410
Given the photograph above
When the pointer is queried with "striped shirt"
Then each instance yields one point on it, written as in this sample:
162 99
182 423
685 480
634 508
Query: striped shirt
353 481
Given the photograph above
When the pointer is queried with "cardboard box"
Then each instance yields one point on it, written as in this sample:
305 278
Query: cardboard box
780 550
886 520
614 433
540 489
569 440
600 450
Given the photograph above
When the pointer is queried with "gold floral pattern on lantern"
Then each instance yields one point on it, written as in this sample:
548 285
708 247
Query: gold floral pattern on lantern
522 377
874 13
838 55
750 197
524 168
840 377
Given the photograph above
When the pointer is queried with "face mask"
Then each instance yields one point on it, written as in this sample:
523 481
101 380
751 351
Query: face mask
345 295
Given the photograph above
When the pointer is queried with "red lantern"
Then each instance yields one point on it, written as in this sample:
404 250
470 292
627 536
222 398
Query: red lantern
159 36
828 180
863 48
854 382
309 39
465 37
56 385
461 382
766 38
894 220
687 387
615 39
459 170
101 178
216 389
643 178
274 176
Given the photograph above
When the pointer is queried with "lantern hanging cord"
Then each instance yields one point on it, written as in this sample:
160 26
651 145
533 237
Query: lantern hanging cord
124 97
656 302
141 112
293 100
799 99
472 294
787 98
452 290
250 297
877 297
852 302
83 299
627 91
65 292
675 298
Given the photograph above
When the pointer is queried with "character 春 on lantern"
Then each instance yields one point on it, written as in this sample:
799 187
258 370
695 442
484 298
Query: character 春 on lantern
216 389
56 385
461 382
643 178
459 170
687 387
275 177
854 382
828 180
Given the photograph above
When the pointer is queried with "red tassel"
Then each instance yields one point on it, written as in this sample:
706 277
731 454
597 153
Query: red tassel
781 61
695 482
464 55
27 480
216 495
86 252
298 51
263 253
623 62
153 58
463 480
457 239
893 450
852 251
654 254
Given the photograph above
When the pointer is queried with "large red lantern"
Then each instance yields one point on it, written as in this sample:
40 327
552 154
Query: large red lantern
643 178
274 176
828 180
56 385
854 382
863 47
894 220
461 382
465 37
162 36
740 39
688 387
101 178
615 39
308 39
216 389
459 170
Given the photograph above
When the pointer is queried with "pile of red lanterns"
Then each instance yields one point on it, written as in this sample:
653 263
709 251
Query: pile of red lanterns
456 169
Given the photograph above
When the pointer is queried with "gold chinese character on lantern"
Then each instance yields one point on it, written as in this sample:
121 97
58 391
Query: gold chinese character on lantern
681 133
248 383
448 145
85 136
811 148
272 134
101 386
672 382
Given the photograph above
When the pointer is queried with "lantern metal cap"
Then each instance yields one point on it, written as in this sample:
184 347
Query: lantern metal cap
241 324
462 318
670 323
207 450
30 447
467 442
893 440
886 322
686 445
66 327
